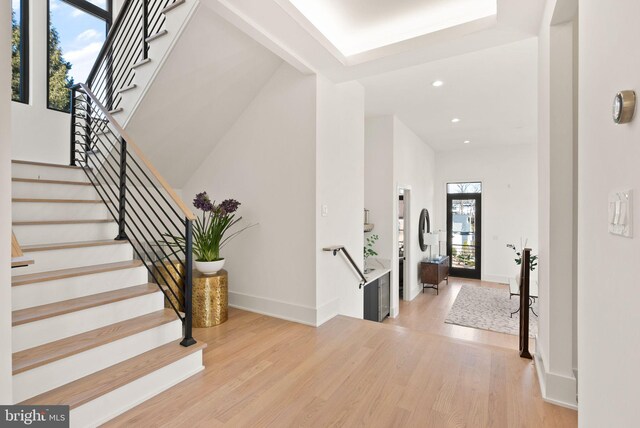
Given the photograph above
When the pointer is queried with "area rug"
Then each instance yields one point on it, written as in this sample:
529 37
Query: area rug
489 309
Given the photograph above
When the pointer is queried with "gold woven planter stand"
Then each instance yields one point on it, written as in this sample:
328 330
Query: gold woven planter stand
210 293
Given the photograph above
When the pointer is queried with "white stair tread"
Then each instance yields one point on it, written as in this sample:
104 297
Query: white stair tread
58 201
73 272
89 388
58 222
63 348
141 63
156 36
71 245
172 6
40 181
127 88
38 313
50 165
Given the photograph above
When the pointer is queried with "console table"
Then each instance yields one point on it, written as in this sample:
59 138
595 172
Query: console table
433 272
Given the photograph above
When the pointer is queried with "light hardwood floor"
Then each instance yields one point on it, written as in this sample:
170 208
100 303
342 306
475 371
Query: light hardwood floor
428 311
261 371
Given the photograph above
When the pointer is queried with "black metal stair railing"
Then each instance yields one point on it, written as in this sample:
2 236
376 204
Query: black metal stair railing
125 47
146 208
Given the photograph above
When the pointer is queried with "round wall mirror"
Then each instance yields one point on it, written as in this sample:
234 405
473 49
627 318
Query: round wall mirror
423 228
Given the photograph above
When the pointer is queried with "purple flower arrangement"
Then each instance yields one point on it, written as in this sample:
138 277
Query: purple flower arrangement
210 228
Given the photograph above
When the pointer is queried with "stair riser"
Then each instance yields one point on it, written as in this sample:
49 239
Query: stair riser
36 211
43 293
51 233
47 172
44 378
51 329
45 261
52 191
108 406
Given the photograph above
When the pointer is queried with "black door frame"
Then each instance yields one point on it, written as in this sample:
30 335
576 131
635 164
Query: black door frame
475 273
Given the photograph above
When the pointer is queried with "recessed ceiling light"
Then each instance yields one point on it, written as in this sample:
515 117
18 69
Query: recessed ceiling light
455 120
467 141
437 83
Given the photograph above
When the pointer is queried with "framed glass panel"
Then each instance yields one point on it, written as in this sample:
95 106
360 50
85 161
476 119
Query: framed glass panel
464 229
464 188
20 51
76 36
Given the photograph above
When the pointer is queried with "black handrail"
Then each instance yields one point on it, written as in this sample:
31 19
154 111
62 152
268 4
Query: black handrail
146 210
525 302
335 250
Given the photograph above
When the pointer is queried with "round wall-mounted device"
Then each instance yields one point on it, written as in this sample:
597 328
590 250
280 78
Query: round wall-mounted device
624 106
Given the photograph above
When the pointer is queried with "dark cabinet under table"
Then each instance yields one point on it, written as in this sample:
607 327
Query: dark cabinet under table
433 272
377 298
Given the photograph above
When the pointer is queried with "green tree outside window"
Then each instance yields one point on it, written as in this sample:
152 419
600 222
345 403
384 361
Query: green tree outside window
59 79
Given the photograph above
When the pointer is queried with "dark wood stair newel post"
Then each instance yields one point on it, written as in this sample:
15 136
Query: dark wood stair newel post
525 300
188 286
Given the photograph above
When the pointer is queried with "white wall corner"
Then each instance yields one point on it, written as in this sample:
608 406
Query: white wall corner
555 388
415 292
327 311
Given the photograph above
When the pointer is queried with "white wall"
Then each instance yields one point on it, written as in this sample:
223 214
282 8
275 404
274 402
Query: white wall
39 134
339 187
509 200
555 347
5 204
395 156
608 334
414 167
267 161
379 185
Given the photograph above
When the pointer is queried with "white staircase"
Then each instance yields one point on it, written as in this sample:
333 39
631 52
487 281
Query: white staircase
89 331
177 16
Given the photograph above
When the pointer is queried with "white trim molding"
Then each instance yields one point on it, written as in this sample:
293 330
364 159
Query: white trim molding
276 308
555 388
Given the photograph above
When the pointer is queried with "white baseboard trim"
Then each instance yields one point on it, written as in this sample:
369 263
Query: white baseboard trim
394 312
500 279
554 388
274 308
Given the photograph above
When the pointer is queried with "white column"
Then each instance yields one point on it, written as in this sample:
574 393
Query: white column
557 159
5 202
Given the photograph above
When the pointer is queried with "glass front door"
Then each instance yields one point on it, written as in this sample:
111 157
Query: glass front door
463 226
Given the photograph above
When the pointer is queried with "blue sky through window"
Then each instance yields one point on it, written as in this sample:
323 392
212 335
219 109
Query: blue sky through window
15 4
81 35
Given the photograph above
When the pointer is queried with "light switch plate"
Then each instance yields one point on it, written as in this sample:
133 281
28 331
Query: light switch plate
324 211
620 213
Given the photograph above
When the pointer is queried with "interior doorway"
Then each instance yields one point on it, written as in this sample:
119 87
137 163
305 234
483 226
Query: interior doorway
403 226
464 229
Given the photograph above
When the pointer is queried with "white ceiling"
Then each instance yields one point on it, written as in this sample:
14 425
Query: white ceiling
392 32
356 26
493 92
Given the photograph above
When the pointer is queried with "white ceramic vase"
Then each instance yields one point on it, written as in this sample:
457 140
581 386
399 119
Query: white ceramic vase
209 268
